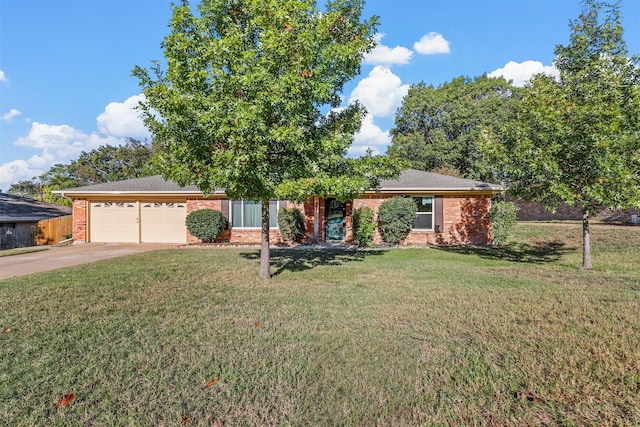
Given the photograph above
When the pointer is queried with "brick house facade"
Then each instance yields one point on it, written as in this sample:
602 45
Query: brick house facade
153 209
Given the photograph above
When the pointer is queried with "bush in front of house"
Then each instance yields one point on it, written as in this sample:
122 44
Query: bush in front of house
395 218
364 226
504 216
206 224
291 224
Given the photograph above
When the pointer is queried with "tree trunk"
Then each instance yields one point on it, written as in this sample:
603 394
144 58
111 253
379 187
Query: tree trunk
586 241
265 268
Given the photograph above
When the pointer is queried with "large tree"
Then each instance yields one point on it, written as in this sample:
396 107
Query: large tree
577 139
249 101
110 163
437 128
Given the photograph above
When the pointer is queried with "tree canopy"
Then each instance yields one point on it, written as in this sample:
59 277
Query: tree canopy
250 100
577 139
438 128
106 163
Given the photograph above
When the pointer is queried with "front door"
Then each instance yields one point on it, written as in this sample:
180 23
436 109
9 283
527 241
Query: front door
335 220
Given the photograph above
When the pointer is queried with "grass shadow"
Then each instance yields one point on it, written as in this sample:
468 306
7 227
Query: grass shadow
294 260
537 253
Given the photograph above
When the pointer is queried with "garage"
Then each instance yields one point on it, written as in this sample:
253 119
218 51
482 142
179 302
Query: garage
163 222
135 222
113 222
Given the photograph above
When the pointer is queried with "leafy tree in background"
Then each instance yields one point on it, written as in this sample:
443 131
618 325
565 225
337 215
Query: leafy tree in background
104 164
110 163
577 140
437 129
249 101
28 189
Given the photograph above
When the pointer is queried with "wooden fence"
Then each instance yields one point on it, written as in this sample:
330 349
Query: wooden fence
45 232
52 231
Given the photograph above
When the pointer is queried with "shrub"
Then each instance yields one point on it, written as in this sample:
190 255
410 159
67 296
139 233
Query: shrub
206 224
364 227
291 224
503 218
395 218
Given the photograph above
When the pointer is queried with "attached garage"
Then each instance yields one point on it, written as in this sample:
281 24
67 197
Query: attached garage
163 222
137 222
113 222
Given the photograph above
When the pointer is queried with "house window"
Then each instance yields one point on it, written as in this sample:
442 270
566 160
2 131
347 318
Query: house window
424 219
248 214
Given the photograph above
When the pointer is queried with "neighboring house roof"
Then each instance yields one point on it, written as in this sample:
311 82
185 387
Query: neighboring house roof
16 209
411 180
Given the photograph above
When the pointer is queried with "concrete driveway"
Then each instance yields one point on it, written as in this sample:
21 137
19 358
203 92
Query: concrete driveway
66 256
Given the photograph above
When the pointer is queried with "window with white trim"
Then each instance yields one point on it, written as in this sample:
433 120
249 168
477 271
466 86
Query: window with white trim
424 217
248 214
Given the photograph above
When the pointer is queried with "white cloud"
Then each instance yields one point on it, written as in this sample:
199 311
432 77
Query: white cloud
384 55
12 172
44 136
10 115
62 143
371 136
121 119
431 44
3 78
54 144
520 73
381 92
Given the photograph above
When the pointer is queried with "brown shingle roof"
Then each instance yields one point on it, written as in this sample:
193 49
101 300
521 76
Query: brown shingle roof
409 180
413 179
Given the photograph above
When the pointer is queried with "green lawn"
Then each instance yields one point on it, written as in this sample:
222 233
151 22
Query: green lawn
512 336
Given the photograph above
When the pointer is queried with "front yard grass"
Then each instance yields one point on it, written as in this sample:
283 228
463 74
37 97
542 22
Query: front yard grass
460 336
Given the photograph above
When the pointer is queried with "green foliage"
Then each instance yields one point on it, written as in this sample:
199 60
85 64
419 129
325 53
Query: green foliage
504 216
395 218
291 224
364 226
106 163
243 103
110 163
439 128
27 189
576 139
206 224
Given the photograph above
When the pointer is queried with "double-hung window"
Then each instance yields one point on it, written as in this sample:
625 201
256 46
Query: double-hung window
248 214
424 218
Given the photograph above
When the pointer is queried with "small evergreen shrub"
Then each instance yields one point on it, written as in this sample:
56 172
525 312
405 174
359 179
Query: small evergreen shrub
503 219
291 224
395 218
364 227
206 224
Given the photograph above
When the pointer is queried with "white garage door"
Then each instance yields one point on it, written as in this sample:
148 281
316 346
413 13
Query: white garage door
163 222
113 222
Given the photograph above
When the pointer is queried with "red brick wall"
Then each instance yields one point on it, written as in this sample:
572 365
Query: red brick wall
466 221
79 220
234 235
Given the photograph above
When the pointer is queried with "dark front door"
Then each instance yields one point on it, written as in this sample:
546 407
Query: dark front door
335 223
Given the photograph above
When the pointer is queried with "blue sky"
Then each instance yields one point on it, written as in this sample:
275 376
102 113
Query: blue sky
65 65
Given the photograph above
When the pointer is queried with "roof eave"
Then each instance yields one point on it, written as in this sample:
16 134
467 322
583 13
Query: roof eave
440 190
65 193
